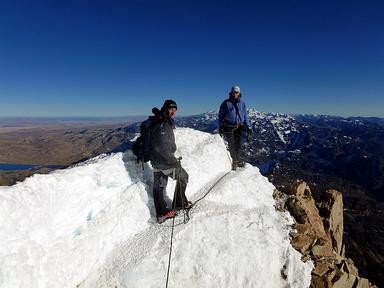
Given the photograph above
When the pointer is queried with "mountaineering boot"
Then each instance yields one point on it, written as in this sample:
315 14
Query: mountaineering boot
168 215
239 163
234 166
187 205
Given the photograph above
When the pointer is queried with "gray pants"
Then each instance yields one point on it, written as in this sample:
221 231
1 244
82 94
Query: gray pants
160 181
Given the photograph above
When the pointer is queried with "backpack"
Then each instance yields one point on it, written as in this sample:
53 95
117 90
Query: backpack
142 147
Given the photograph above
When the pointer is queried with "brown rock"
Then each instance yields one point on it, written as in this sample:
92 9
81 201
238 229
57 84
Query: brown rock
331 208
305 258
302 243
352 268
331 275
345 281
349 267
321 268
342 254
302 228
304 208
351 281
320 282
340 280
320 251
297 211
362 283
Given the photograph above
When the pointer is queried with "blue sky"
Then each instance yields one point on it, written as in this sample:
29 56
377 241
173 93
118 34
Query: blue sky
117 58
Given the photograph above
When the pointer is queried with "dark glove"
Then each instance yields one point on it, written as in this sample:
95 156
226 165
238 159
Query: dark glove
249 132
221 130
176 163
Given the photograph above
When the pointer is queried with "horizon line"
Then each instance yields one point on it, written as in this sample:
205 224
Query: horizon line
177 116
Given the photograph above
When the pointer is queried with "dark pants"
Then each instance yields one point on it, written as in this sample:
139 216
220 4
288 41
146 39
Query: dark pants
160 181
233 138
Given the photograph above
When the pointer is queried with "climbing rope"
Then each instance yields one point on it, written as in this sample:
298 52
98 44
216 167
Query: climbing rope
170 252
186 215
210 189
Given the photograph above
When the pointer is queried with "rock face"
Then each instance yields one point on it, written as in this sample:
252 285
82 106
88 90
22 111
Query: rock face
318 235
331 210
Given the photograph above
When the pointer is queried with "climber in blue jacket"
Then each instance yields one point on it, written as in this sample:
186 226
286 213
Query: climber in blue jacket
233 120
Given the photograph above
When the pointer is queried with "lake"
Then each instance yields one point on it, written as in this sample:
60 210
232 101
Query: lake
13 167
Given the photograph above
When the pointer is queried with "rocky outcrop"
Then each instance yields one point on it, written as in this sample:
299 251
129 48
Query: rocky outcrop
318 235
331 211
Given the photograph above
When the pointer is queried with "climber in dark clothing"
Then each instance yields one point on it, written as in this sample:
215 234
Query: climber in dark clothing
165 163
233 120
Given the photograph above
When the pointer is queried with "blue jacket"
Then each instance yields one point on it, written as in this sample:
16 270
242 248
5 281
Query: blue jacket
233 113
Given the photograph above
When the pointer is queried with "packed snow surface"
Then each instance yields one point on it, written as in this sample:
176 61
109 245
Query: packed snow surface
93 225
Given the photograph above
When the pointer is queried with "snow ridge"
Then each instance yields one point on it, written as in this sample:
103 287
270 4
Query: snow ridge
93 225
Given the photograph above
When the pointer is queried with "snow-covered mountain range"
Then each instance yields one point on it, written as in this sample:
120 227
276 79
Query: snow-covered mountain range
92 225
321 144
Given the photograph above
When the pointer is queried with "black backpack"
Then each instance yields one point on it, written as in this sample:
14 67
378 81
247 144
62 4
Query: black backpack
142 147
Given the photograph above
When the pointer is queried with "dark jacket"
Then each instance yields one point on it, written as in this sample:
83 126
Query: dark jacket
233 113
163 141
